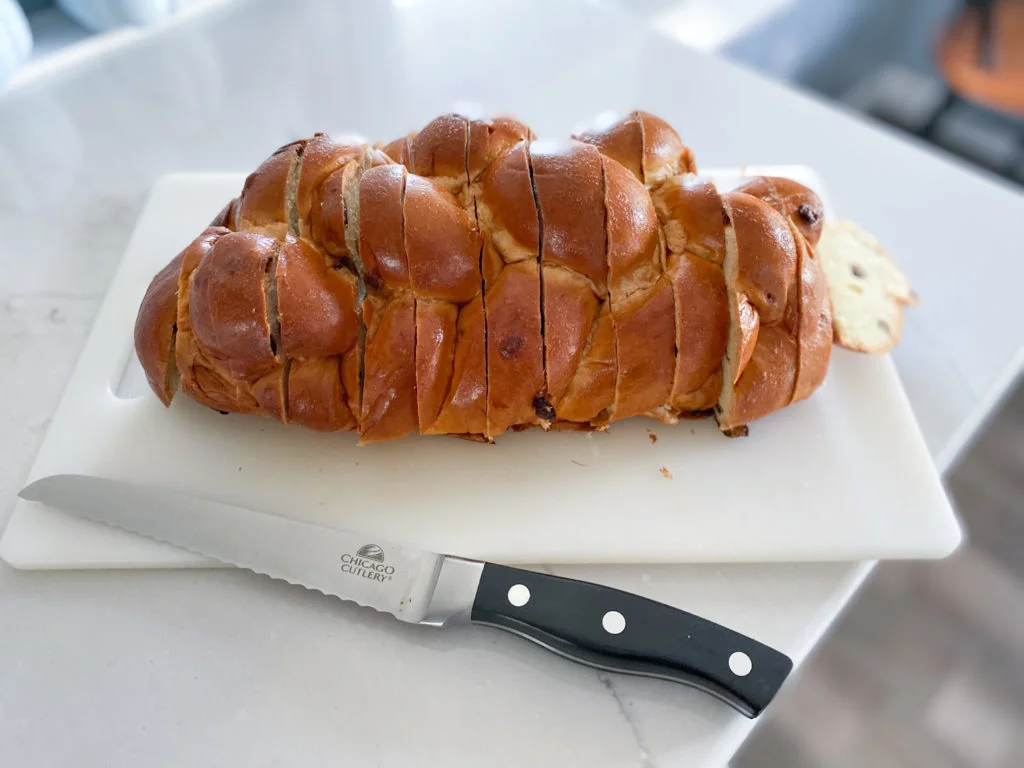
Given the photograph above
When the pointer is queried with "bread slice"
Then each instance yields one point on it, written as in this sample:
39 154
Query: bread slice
443 250
219 366
760 271
567 180
692 217
156 330
388 403
805 212
867 289
263 205
643 144
642 303
515 350
793 200
315 343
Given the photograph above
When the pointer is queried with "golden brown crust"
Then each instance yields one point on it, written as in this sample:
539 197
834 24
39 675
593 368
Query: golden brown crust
398 150
156 328
570 310
322 157
806 214
766 384
568 183
590 394
642 303
515 357
442 244
436 332
203 377
316 304
793 200
691 213
515 351
763 283
382 236
316 395
464 410
766 258
491 139
389 406
326 221
443 251
263 204
228 304
645 145
439 151
665 155
702 331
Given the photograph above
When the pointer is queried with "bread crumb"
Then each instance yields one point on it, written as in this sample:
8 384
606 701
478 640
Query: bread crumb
664 471
654 437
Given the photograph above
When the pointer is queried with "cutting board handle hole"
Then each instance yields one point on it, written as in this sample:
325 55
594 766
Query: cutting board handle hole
129 380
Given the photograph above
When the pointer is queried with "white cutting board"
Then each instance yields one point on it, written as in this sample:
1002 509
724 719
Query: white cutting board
843 476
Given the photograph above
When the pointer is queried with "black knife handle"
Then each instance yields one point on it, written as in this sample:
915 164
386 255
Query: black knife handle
621 632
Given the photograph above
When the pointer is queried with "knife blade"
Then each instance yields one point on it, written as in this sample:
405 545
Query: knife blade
599 626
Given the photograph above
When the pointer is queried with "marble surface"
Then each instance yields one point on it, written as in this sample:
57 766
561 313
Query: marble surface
224 668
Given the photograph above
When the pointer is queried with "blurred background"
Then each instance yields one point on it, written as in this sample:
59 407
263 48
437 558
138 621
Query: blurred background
926 666
948 71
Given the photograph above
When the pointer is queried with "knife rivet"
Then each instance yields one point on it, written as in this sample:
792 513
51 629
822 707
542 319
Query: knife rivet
613 622
519 595
740 664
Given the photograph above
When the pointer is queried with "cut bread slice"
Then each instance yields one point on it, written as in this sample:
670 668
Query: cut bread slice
644 144
567 181
760 366
867 289
515 349
156 330
693 220
642 301
443 252
388 403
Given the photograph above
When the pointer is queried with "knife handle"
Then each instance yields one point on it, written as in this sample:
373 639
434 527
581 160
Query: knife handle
621 632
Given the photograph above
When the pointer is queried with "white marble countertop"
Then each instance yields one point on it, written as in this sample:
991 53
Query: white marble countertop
225 668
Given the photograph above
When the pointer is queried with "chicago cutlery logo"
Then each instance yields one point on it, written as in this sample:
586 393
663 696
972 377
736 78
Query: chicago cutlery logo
367 563
371 552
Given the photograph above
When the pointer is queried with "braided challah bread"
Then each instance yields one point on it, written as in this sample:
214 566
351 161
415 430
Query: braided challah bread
469 279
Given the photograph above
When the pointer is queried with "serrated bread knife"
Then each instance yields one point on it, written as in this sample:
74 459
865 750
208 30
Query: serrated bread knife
595 625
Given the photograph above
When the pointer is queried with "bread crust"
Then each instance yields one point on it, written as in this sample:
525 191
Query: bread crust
806 215
389 409
693 219
762 273
263 203
515 351
156 330
567 179
798 203
642 303
645 145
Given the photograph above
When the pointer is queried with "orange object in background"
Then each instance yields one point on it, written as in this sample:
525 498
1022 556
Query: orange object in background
992 77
